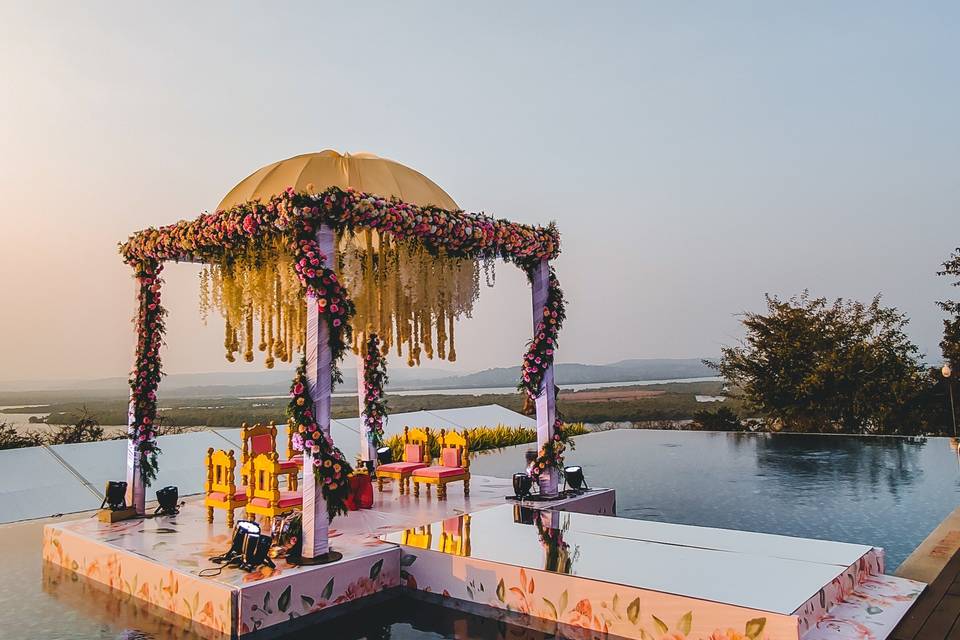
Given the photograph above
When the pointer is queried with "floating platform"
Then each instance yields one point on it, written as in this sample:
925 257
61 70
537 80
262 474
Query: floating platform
160 560
638 579
565 567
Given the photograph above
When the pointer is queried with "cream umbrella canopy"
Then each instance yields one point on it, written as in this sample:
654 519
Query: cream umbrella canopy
361 171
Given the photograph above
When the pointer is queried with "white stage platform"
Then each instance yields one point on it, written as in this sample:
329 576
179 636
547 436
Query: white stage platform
638 579
160 560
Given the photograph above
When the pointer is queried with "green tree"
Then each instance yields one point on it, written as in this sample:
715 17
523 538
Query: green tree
723 419
950 345
837 367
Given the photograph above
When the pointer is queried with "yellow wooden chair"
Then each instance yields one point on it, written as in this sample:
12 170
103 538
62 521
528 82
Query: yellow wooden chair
264 497
220 489
416 455
454 466
262 438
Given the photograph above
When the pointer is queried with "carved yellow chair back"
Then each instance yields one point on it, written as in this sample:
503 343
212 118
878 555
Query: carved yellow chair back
262 438
264 496
220 488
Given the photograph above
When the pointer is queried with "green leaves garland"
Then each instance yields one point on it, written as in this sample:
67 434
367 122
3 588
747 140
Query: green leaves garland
146 374
330 467
374 380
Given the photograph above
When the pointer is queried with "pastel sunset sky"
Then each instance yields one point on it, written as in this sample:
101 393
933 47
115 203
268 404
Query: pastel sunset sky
694 155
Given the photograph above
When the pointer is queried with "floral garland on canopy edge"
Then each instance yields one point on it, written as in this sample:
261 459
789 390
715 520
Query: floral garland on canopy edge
374 380
296 215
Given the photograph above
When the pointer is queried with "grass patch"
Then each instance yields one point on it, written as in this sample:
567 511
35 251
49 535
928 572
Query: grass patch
483 438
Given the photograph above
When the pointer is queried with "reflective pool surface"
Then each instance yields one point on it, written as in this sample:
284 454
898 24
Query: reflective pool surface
881 491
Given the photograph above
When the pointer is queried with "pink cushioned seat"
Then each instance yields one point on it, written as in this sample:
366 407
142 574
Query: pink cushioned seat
241 494
287 499
288 465
401 467
440 472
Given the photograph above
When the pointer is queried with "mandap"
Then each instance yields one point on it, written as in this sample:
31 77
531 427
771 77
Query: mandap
323 253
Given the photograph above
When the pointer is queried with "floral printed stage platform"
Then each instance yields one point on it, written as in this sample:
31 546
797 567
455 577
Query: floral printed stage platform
160 560
587 576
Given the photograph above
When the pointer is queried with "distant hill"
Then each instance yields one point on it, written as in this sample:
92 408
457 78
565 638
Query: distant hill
277 381
575 373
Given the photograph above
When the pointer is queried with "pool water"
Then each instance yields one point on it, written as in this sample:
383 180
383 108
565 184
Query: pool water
882 491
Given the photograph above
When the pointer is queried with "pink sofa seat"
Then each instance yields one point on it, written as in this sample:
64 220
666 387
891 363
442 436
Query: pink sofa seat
241 494
287 499
401 467
440 472
291 464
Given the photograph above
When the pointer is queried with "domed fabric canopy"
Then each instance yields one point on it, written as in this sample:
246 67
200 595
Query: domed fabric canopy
363 172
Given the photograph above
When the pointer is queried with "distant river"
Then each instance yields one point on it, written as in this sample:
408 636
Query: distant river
482 391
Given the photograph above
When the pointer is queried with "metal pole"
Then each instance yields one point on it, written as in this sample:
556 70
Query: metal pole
953 411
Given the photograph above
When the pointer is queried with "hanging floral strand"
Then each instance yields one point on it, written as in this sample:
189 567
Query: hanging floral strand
330 467
374 400
146 373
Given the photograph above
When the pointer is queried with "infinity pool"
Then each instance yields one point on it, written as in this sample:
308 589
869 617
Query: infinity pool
881 491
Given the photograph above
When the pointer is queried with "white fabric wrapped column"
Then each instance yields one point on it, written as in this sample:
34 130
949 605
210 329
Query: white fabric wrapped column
546 402
366 449
319 378
136 490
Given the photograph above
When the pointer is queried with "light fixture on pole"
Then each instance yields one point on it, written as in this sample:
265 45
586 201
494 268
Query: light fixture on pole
947 375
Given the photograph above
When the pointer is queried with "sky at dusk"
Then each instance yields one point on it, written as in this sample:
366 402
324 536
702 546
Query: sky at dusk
694 155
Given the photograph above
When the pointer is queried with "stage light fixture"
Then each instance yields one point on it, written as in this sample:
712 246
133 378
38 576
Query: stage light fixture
243 530
573 477
167 499
255 552
115 496
384 455
522 483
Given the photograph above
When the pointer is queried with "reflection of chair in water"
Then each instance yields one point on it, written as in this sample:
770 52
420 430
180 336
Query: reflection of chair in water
419 537
416 455
454 466
221 491
455 537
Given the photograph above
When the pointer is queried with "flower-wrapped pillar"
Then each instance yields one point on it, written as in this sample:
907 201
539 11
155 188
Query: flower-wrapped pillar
546 401
371 380
319 358
367 454
142 447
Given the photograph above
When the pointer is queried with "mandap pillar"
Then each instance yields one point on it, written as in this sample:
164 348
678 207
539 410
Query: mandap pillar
316 523
546 402
367 454
136 490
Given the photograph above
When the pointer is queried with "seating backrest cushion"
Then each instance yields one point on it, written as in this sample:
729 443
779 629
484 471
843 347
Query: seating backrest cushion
412 453
261 444
450 457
